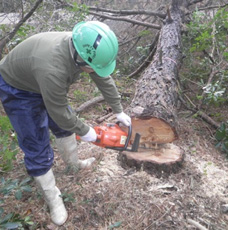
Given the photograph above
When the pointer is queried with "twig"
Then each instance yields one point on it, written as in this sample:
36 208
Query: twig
196 224
213 7
194 2
18 25
203 115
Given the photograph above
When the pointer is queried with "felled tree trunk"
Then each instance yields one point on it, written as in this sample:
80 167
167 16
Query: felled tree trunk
156 99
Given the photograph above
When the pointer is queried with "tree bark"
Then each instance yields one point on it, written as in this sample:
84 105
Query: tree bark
156 92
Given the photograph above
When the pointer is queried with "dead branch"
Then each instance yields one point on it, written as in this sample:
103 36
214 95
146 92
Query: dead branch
128 12
89 103
10 35
194 2
147 60
154 26
201 114
213 7
129 40
196 224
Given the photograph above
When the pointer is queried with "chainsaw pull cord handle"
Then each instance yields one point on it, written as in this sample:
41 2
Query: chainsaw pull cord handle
128 136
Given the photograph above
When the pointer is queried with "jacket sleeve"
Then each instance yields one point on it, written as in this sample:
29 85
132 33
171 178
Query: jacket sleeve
108 89
54 94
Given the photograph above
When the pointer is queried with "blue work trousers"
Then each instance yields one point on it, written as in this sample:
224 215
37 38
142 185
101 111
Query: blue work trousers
30 120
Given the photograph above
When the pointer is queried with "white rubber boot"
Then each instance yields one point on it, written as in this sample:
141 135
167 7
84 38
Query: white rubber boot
67 147
52 197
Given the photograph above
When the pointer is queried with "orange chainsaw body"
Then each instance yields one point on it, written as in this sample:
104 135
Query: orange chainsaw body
110 135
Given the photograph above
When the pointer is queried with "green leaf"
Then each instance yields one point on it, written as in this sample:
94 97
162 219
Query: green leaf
1 211
220 135
26 188
225 54
25 181
11 225
6 218
18 194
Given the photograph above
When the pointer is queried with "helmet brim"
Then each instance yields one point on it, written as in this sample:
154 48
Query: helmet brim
108 70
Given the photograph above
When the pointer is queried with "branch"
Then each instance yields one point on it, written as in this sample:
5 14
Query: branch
154 26
128 12
18 25
213 7
203 115
196 224
194 2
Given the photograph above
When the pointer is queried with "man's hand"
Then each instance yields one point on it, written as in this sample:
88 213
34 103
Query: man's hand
123 118
90 136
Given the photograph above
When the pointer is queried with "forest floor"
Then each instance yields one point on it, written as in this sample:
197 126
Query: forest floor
107 196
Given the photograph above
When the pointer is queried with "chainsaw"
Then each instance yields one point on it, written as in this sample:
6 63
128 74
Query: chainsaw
111 136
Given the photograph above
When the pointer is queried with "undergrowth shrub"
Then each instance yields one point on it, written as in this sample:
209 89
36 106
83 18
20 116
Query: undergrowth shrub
8 144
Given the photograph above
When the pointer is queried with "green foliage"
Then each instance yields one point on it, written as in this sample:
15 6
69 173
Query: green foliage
205 47
14 186
15 221
81 10
204 30
8 144
214 93
222 138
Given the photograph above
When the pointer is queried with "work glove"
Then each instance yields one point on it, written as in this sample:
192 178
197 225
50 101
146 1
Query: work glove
90 136
123 118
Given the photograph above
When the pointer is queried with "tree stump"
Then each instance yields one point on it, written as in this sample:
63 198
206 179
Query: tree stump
161 160
156 154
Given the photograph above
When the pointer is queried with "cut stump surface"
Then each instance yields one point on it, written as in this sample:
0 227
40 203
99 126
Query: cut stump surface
166 158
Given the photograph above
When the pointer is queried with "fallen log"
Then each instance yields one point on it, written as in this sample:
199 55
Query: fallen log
156 99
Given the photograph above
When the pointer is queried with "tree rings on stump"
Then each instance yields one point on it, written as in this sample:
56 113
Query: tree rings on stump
166 158
152 130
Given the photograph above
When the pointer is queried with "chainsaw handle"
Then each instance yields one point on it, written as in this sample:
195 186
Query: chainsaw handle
128 136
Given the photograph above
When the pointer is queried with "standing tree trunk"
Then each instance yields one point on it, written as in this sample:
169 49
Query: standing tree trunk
156 98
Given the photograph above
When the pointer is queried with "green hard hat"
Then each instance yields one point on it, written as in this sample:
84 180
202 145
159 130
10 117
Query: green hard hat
97 45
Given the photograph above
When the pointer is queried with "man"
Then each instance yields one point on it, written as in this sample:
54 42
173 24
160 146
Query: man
34 81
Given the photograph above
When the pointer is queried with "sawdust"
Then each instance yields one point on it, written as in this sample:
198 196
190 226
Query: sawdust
110 197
